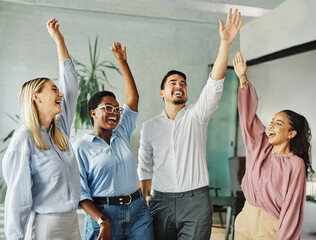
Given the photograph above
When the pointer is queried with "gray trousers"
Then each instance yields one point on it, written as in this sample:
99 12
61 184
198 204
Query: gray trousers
184 215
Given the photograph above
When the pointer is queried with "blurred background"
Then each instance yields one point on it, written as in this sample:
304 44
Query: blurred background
278 38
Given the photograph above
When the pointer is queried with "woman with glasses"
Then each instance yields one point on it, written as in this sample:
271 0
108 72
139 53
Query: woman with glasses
39 166
276 168
110 191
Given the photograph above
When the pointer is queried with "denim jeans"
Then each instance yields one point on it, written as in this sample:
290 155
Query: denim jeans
132 222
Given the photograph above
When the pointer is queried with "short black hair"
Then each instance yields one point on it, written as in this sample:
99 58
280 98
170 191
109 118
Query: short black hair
95 100
171 72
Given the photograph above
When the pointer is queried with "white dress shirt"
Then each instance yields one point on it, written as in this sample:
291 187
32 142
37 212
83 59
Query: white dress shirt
173 152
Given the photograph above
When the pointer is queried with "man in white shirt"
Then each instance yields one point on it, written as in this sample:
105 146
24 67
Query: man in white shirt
172 153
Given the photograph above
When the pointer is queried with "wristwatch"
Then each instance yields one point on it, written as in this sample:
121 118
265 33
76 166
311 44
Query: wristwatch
102 219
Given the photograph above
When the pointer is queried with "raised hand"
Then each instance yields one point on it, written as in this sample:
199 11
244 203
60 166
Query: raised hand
240 67
53 29
131 93
119 54
230 30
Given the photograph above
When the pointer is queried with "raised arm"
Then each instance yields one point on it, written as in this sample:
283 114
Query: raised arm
228 34
131 93
53 29
68 79
240 67
251 127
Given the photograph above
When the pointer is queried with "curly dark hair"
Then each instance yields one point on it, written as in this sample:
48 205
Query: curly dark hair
95 100
300 144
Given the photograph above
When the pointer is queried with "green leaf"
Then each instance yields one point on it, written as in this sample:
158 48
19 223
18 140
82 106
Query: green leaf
92 78
8 136
16 117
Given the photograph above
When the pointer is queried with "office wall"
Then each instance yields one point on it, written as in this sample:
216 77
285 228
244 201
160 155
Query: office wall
291 23
157 40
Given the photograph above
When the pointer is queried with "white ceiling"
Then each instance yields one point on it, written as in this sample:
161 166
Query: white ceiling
249 8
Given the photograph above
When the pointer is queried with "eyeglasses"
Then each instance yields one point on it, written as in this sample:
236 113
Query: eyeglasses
111 109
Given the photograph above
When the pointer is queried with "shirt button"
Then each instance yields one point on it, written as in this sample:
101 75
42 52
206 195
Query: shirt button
259 181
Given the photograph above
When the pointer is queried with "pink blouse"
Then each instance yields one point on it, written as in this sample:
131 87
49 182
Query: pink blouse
273 182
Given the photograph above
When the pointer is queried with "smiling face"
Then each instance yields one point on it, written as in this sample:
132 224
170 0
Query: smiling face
48 101
103 119
280 130
175 90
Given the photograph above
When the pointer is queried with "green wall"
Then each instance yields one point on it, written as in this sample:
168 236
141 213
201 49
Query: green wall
221 134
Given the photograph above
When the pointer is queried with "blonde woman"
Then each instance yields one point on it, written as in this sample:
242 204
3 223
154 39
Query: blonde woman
39 166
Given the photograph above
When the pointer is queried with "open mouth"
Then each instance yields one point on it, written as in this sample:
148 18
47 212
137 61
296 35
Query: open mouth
58 102
178 93
113 119
271 134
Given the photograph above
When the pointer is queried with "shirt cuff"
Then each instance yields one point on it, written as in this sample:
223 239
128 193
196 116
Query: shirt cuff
217 84
144 175
129 111
84 196
66 64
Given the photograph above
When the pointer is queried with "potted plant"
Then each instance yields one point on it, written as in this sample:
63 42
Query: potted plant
92 78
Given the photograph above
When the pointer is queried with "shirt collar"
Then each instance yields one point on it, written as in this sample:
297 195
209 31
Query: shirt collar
89 137
164 114
179 115
92 138
49 129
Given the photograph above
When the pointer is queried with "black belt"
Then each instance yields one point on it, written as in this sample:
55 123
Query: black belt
125 199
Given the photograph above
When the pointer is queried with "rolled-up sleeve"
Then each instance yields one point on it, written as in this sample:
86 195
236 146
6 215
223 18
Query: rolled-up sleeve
18 203
83 162
68 84
145 156
127 123
208 100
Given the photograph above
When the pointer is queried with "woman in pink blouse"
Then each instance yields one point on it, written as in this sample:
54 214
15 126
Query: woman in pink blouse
276 168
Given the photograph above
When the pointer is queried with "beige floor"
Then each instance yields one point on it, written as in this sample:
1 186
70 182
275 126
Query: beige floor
218 233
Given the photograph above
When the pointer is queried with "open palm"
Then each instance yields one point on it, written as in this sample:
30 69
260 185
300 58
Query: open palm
118 52
240 66
231 29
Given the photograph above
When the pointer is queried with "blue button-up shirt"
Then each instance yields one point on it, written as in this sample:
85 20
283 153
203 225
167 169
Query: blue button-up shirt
108 170
43 181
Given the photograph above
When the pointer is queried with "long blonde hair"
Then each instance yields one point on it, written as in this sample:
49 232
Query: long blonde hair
29 115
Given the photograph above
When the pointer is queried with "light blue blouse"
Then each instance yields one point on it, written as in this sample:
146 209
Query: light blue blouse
43 181
108 170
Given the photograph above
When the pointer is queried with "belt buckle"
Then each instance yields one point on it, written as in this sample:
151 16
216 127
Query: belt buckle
130 199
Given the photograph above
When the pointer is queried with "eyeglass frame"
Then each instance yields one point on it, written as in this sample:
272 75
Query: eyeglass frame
113 108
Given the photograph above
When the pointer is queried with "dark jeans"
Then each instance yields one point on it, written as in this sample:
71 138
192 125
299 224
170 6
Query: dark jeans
186 215
132 222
